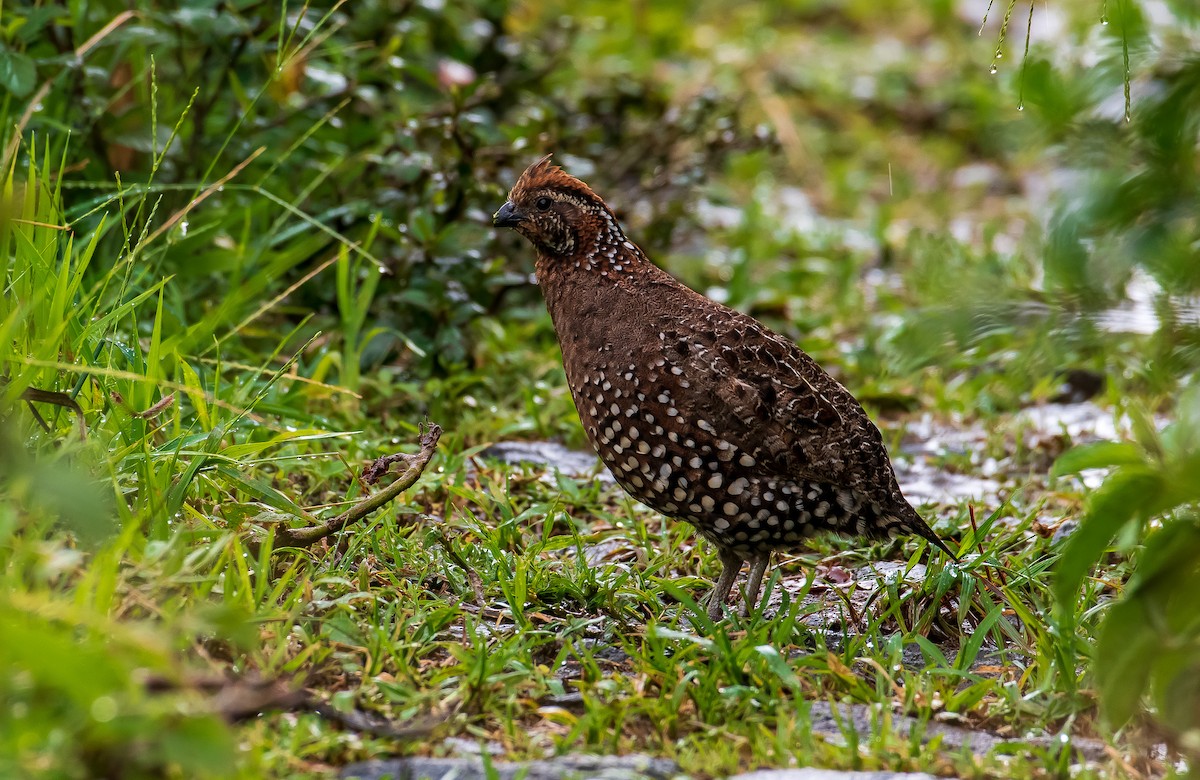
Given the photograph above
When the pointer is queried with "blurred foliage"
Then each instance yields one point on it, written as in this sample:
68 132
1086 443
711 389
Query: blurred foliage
391 126
1149 640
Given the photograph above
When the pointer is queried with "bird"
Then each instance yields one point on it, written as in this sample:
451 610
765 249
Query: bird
700 411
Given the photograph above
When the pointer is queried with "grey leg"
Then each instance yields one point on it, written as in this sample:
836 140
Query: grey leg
731 564
758 567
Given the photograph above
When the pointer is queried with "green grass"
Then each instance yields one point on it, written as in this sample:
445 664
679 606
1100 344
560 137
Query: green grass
241 331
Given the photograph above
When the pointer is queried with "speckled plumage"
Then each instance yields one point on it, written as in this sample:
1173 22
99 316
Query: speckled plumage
700 411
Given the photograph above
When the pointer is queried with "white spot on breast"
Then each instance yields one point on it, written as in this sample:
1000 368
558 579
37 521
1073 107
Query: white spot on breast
730 508
738 486
746 460
707 503
715 480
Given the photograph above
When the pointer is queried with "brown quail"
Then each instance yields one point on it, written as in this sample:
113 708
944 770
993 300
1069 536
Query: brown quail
699 411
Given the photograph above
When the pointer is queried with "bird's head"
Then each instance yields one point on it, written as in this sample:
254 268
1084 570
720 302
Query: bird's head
554 210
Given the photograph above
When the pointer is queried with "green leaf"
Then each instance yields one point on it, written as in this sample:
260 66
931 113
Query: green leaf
1176 689
696 614
18 74
1126 494
1102 454
1151 633
264 492
254 448
779 666
199 746
1141 421
1127 640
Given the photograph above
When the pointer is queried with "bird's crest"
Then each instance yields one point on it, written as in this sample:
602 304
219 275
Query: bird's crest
544 174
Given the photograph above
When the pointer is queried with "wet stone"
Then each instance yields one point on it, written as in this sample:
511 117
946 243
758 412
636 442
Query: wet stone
834 721
573 767
1064 530
810 773
550 455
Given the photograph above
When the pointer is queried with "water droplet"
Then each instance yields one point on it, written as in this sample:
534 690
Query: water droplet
1020 106
993 69
999 55
1104 20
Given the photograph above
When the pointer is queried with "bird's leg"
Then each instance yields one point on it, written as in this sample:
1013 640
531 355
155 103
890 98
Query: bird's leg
731 564
758 567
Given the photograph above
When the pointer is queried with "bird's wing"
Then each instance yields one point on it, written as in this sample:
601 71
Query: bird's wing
774 402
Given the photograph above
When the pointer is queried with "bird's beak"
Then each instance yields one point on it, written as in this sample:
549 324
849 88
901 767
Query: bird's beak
507 216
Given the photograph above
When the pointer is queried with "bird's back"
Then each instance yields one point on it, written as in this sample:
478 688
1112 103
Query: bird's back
706 415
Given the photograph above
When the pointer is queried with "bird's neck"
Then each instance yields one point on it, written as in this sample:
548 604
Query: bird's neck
598 281
602 250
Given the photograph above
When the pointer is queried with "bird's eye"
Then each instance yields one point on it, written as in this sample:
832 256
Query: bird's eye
542 203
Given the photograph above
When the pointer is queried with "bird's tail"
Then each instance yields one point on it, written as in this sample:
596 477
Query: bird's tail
908 521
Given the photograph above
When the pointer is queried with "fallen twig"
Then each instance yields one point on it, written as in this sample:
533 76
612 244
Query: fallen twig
414 465
31 394
240 698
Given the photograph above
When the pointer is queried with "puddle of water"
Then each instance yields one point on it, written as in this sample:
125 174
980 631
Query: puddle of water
1080 421
928 440
923 484
552 456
